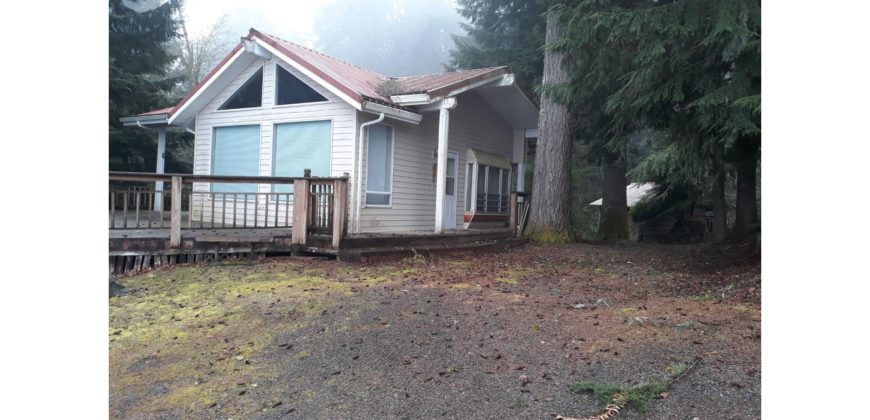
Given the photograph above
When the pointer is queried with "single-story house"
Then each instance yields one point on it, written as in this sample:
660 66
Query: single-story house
429 153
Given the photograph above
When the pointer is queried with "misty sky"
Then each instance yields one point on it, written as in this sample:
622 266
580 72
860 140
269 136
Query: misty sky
291 19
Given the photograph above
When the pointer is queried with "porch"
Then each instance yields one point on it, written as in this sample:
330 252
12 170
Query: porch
190 221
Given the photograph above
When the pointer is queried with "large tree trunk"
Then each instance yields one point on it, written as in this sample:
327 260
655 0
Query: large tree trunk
747 208
551 201
613 225
720 226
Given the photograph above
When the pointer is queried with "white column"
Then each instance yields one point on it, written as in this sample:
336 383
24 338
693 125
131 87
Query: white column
521 177
519 157
441 177
161 151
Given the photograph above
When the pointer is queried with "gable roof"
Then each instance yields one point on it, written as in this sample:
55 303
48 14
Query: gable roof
355 82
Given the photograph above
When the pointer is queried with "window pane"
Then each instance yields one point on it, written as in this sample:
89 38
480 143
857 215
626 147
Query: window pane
505 181
300 146
377 199
291 90
450 186
380 159
236 151
481 188
492 190
468 183
250 95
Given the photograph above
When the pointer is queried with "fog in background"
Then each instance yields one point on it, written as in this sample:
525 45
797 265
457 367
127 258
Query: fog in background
391 37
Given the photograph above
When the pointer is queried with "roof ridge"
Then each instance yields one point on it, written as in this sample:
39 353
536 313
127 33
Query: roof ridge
326 55
448 72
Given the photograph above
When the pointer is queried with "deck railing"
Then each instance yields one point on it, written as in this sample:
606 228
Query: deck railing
304 204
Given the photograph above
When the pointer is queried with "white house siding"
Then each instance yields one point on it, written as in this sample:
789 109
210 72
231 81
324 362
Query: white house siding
342 115
474 124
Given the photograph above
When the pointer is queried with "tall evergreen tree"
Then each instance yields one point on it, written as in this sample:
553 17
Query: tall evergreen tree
692 71
549 220
138 62
503 32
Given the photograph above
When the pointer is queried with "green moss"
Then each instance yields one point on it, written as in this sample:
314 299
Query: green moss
513 275
548 235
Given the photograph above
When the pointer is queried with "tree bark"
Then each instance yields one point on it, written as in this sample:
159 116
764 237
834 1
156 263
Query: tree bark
614 207
747 207
549 221
720 226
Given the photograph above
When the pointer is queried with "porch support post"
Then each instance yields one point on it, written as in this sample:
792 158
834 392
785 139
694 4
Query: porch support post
175 214
161 152
441 176
301 196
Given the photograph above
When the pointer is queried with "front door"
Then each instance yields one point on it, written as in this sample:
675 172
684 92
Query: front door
450 191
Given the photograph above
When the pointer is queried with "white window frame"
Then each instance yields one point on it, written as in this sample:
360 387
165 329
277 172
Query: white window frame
392 170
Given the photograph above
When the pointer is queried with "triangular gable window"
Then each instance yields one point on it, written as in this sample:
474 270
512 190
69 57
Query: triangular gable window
250 95
291 90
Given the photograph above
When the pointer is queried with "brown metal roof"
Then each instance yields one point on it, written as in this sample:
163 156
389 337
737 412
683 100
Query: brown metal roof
356 82
166 111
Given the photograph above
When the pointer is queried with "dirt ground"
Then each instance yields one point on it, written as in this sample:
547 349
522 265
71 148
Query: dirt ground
498 335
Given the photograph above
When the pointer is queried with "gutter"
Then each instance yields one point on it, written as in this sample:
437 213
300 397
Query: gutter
358 176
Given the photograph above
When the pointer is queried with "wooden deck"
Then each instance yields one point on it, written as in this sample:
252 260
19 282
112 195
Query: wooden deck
204 225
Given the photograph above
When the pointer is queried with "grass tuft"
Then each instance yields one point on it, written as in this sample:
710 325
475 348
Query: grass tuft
637 396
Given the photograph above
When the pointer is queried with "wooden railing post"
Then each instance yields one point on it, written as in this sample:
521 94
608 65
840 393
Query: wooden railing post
175 214
300 211
339 211
514 207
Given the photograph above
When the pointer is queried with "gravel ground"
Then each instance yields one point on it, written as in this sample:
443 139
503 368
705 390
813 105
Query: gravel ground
500 335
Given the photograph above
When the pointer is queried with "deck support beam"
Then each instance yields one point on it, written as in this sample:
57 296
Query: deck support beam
161 160
441 176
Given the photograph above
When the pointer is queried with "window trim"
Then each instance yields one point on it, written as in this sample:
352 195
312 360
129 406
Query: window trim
212 154
392 169
275 89
262 88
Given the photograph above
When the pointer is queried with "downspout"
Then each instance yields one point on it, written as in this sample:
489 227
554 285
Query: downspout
358 176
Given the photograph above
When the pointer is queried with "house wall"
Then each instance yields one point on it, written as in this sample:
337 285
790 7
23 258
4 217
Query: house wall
474 124
343 118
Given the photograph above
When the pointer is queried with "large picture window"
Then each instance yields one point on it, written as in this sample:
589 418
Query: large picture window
379 172
236 151
299 146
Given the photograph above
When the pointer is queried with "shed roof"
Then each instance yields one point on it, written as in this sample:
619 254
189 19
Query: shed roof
634 192
490 159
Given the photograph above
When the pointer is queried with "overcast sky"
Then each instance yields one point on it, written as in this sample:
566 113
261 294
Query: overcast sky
292 19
